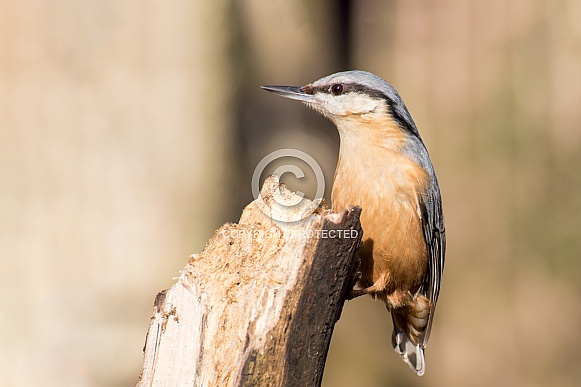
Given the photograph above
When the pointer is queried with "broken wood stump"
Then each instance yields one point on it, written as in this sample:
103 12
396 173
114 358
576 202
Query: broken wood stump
258 306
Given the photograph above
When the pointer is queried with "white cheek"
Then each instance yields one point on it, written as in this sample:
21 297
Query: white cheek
342 105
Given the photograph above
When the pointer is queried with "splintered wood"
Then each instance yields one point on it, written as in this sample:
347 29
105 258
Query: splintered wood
258 305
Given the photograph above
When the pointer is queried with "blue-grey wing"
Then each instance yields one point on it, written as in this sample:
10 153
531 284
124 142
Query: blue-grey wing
435 237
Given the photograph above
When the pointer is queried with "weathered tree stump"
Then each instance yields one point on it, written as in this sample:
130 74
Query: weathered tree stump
258 306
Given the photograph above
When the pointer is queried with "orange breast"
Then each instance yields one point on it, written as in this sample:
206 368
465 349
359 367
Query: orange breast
387 186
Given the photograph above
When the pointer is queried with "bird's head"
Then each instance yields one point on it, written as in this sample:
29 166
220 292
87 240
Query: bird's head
351 97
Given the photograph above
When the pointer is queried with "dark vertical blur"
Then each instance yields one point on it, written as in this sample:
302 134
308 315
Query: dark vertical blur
344 26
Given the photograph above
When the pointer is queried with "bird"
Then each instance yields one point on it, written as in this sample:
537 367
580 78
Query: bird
385 169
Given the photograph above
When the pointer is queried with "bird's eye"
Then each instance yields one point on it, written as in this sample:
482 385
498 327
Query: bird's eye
337 88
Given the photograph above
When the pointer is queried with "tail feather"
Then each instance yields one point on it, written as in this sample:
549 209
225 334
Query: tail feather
411 332
412 354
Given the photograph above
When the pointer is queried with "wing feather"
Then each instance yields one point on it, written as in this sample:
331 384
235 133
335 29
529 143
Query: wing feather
435 237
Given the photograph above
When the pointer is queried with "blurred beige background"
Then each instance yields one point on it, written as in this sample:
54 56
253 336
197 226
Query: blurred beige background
130 131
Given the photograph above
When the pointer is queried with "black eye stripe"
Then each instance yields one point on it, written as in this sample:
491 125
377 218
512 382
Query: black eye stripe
346 88
402 118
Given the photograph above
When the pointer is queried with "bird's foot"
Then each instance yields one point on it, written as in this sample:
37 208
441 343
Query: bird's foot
356 277
361 292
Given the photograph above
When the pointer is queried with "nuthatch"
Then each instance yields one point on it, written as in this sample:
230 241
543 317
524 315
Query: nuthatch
385 169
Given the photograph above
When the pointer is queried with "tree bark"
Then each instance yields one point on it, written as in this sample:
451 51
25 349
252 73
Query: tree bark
258 306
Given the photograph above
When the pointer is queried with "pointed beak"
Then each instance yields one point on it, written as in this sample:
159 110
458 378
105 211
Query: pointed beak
292 92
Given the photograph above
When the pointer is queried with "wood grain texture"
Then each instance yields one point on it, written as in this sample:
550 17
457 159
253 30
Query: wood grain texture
258 305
